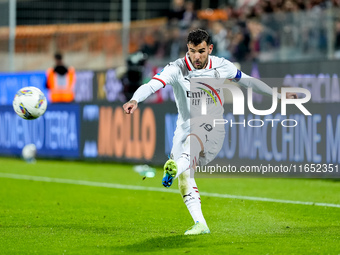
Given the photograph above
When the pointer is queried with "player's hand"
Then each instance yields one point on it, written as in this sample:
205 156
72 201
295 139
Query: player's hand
290 95
130 106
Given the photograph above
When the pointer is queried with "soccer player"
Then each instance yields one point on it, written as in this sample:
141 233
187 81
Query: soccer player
192 139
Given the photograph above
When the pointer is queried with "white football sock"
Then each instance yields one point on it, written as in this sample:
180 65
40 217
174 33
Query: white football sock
191 198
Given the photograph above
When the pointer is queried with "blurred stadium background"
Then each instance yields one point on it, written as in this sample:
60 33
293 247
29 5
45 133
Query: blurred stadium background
115 46
90 32
60 205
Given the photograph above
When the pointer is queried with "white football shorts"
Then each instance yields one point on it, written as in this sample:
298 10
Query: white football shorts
203 127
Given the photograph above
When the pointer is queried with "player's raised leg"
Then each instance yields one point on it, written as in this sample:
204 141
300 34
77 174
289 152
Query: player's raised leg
187 186
172 169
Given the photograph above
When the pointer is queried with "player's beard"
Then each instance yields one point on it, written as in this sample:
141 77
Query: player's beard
202 65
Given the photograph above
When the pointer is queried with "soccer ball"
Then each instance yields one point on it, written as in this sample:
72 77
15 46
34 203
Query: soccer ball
29 103
29 152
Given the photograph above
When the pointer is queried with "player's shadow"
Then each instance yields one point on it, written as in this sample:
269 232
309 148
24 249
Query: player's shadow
160 243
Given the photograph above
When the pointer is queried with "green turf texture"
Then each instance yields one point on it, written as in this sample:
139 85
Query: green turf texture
53 218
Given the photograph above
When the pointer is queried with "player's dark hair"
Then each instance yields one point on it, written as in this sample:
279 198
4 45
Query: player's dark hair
198 36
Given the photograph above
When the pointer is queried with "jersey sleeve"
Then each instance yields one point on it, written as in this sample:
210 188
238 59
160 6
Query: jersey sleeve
230 71
144 91
259 86
168 75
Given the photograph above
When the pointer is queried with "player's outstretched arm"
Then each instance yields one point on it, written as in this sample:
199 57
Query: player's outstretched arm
260 87
142 93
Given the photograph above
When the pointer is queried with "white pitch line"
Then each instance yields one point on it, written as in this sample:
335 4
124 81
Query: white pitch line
133 187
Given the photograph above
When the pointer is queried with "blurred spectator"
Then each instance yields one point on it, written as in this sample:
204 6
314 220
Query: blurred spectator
220 40
213 15
239 47
177 44
290 6
240 44
189 15
132 77
172 44
337 40
60 81
151 43
253 29
163 50
176 12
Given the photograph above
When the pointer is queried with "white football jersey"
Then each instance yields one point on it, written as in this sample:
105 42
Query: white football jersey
190 99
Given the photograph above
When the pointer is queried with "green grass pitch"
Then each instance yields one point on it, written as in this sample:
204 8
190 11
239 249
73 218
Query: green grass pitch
39 217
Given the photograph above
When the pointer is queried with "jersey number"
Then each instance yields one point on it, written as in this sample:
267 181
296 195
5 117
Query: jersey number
207 127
